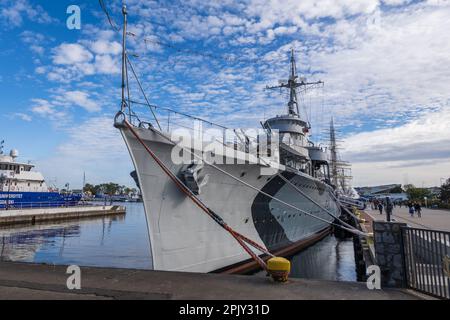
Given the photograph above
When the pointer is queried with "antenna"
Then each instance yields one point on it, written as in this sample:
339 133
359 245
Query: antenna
292 84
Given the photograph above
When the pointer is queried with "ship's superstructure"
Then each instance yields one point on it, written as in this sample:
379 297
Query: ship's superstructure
18 176
296 150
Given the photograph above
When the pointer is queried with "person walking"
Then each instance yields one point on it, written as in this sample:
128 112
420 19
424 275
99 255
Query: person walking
411 209
418 209
380 207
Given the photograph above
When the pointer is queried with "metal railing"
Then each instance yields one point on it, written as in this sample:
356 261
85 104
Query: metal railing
427 256
44 204
170 120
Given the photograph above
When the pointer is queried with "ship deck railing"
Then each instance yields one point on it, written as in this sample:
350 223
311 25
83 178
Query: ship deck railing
168 120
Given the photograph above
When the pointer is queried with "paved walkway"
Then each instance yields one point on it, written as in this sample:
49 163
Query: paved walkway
431 218
34 281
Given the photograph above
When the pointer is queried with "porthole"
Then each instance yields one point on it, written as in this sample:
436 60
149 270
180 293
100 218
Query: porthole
242 174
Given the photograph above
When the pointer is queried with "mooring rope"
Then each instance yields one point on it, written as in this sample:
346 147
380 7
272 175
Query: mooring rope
239 237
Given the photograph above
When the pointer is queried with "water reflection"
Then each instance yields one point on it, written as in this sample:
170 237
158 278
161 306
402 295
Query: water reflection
113 241
122 242
329 259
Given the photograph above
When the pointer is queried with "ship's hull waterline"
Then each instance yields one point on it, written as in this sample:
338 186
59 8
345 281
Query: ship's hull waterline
184 238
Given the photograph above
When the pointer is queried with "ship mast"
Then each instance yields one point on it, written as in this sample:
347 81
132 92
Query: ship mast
292 84
333 152
124 55
340 170
292 87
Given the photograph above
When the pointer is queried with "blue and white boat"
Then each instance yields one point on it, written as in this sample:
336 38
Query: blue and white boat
21 187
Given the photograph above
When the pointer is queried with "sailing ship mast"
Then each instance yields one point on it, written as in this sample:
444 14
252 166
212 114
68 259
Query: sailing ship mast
340 170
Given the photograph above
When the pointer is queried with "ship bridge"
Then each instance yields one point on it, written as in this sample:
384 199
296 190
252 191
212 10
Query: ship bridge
292 132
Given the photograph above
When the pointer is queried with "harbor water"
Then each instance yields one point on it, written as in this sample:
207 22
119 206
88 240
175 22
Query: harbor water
122 242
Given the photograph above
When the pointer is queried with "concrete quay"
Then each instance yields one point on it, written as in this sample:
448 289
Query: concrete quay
31 216
38 282
434 219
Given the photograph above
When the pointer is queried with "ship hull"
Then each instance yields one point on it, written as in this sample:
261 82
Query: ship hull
184 238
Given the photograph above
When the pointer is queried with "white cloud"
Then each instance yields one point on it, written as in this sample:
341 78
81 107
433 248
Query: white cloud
419 149
36 41
106 64
40 70
396 2
106 47
58 106
22 116
71 53
13 12
427 137
82 99
73 61
269 13
46 109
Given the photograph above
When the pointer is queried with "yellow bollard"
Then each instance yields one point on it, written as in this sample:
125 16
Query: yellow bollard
279 269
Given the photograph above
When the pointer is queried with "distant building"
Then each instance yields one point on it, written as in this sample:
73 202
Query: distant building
434 191
383 191
367 191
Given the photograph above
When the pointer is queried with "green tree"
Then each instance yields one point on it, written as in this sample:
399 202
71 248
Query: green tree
445 191
416 194
89 188
111 188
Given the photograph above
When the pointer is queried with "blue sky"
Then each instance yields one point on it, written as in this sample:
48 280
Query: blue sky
385 65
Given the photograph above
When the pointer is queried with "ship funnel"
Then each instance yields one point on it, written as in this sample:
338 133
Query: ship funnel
14 153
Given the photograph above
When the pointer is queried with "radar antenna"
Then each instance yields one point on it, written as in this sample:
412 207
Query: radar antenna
292 84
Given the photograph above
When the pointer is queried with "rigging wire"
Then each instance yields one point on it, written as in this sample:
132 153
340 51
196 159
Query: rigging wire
142 90
110 19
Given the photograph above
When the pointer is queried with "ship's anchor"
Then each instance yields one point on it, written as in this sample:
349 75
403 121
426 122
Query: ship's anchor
191 179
